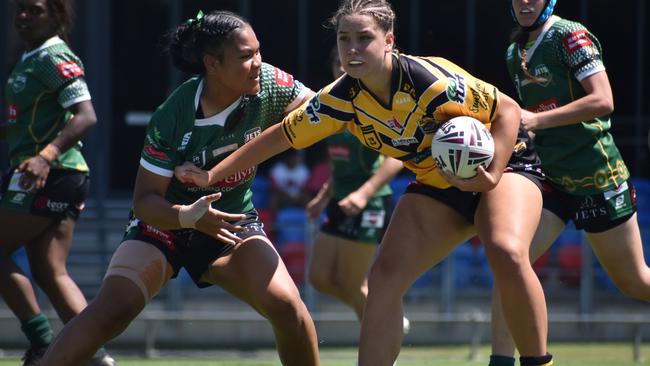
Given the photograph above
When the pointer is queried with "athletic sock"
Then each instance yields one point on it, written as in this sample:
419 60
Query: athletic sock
537 361
38 330
496 360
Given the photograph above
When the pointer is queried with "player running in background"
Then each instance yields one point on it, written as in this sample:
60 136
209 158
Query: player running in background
393 103
358 203
43 192
175 225
557 68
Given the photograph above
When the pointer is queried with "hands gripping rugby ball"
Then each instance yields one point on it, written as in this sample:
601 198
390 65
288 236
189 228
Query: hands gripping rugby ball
461 144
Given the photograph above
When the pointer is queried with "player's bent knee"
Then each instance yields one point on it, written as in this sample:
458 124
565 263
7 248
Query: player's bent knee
284 308
142 264
507 255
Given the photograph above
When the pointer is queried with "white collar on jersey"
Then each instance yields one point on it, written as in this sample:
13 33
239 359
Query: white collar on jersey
218 119
547 26
50 42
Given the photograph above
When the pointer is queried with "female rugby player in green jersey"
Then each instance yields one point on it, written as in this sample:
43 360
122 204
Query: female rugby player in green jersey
557 68
49 111
393 103
175 225
358 203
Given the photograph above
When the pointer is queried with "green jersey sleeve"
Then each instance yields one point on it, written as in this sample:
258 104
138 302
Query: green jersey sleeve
282 93
580 50
159 153
63 72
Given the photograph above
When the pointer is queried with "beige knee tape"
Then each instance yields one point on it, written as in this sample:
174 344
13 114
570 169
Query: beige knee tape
143 264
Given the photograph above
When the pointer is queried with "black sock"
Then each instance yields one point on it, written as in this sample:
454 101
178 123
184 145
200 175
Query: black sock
496 360
537 361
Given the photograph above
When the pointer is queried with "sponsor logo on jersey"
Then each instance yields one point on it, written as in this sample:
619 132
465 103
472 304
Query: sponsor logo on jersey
12 113
618 190
251 134
456 89
428 125
69 69
18 198
44 203
576 40
224 149
18 83
237 178
289 126
372 219
152 152
408 89
133 223
283 78
480 97
545 105
312 109
589 209
163 236
199 158
154 137
185 141
404 141
402 98
371 137
353 91
394 125
339 152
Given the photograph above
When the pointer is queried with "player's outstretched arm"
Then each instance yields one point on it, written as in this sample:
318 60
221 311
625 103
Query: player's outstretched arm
150 205
271 142
356 201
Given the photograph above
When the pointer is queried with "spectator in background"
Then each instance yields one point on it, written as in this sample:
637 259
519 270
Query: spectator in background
44 190
287 179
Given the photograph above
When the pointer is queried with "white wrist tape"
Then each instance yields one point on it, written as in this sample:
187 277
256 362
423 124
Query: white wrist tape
188 215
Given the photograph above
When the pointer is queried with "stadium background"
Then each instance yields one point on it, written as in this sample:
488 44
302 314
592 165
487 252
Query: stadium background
120 42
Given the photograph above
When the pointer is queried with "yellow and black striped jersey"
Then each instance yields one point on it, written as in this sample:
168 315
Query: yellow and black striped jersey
425 92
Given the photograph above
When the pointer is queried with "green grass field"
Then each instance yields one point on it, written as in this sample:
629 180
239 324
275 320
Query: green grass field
593 354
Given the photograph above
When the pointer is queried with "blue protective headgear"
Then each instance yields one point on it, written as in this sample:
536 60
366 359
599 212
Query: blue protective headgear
541 19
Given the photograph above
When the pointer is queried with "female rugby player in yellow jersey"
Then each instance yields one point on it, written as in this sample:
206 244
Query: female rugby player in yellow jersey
393 103
358 203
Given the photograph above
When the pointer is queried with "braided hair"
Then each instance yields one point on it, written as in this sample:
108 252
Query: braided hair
520 38
207 35
379 10
521 34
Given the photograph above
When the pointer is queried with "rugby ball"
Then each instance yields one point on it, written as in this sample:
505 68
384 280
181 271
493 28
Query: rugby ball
460 145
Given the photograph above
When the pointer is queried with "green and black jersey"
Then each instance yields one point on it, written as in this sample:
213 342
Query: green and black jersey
41 87
175 135
581 158
352 165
